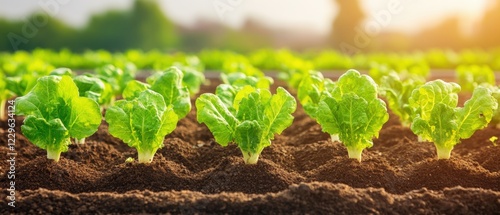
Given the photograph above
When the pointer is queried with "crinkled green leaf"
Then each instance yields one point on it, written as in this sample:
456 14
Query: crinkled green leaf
278 113
169 85
216 115
84 117
476 113
22 84
226 94
51 135
353 118
247 135
353 82
426 97
397 93
311 89
93 88
133 89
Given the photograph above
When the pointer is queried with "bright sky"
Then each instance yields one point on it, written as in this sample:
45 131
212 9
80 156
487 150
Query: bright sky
314 15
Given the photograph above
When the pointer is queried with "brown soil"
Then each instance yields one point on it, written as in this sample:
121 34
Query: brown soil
302 172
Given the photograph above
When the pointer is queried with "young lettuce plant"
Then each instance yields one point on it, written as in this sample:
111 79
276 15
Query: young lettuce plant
250 121
353 111
471 76
311 89
191 78
397 92
94 88
55 113
169 84
115 77
438 119
142 122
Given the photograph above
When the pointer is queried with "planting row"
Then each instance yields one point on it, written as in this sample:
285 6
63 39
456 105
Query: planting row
265 59
61 106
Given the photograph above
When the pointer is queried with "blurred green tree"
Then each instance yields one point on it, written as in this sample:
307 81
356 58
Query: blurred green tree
350 15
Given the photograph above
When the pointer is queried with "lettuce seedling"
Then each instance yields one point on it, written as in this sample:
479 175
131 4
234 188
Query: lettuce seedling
191 78
397 92
55 113
353 111
115 77
142 122
471 76
310 91
169 85
134 88
94 88
250 121
20 85
438 119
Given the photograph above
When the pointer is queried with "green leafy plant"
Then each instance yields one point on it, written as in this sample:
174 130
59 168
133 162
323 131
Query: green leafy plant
191 78
55 113
94 88
115 77
142 122
471 76
251 120
20 85
353 112
311 89
437 118
169 85
397 92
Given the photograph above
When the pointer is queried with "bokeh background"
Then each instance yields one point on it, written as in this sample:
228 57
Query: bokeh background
245 25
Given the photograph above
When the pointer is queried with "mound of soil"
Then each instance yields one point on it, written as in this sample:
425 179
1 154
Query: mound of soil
303 171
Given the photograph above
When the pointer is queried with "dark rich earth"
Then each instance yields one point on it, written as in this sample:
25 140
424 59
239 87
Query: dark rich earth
302 172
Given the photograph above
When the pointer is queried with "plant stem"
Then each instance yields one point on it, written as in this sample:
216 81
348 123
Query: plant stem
443 152
80 141
335 137
146 156
354 153
2 110
250 158
420 139
53 155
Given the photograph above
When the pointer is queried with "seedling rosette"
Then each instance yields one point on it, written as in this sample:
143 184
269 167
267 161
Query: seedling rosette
149 113
437 118
352 111
250 119
55 113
